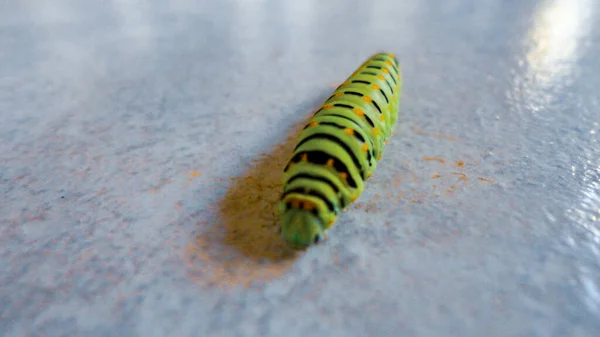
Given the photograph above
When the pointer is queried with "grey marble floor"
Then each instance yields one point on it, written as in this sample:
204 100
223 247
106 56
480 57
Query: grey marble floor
141 145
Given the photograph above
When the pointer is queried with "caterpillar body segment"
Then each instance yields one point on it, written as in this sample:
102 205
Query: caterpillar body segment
338 150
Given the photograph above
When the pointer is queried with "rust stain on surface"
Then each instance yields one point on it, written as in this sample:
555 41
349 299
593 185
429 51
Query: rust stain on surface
445 184
397 182
440 136
463 176
436 158
193 174
437 135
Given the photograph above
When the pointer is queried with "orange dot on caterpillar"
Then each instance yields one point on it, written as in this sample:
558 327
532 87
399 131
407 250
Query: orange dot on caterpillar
309 205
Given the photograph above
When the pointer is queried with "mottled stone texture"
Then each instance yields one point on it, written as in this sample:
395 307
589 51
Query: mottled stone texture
141 144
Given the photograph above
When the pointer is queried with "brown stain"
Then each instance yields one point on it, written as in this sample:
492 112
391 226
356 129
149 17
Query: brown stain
245 248
420 132
462 176
437 135
359 205
436 158
193 174
440 136
397 182
372 207
442 184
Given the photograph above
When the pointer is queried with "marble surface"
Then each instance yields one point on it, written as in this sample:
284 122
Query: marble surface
141 144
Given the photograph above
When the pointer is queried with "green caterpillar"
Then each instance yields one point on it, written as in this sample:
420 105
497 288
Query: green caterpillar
338 150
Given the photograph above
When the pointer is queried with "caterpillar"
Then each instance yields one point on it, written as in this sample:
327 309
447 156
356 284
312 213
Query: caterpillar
338 150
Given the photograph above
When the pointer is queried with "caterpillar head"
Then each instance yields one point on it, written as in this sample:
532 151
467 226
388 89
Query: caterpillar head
301 228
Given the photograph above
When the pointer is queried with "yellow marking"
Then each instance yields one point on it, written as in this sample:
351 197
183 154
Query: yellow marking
349 131
388 62
313 124
359 112
304 157
330 163
344 175
327 106
379 158
354 199
385 70
338 94
369 175
380 77
295 203
387 141
375 86
367 99
376 132
382 117
365 147
331 221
